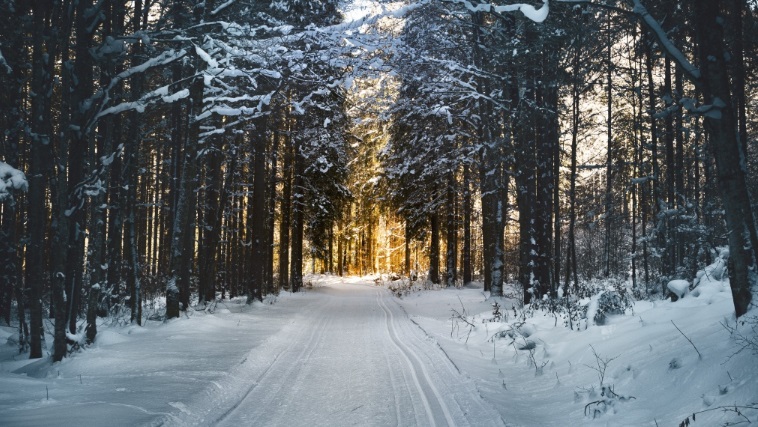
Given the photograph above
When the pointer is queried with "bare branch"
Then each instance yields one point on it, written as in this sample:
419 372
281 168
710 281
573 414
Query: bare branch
700 356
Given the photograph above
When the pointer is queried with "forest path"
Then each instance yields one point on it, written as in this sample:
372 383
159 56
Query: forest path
350 356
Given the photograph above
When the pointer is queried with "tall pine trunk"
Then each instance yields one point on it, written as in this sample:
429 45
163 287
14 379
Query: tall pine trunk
467 271
451 271
298 221
182 232
258 260
434 249
39 172
722 129
284 223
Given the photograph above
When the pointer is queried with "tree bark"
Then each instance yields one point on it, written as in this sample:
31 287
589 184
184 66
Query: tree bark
609 156
467 272
721 124
182 234
298 208
39 173
434 249
258 261
451 271
284 223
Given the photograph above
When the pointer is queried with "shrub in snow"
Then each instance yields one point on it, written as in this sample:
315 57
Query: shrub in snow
678 289
590 301
715 272
608 397
712 279
496 314
610 302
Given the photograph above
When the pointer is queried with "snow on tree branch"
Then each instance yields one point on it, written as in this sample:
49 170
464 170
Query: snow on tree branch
689 69
4 63
638 9
162 59
531 12
11 179
221 7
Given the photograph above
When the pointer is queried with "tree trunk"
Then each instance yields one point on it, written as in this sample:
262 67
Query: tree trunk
270 218
182 235
608 157
408 237
722 128
284 223
571 267
258 260
129 173
38 174
207 266
451 272
14 24
656 172
434 249
467 273
298 207
546 139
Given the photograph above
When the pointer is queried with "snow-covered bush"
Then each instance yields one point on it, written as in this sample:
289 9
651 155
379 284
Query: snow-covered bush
612 302
591 301
678 289
715 272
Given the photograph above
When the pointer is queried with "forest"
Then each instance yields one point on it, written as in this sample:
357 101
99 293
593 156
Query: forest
158 155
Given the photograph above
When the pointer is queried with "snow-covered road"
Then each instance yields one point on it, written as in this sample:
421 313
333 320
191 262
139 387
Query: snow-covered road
341 353
350 356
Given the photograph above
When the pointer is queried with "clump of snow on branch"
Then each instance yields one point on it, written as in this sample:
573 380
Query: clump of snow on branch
11 179
531 12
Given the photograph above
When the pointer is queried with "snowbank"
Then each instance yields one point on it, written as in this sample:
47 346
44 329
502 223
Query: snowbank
637 369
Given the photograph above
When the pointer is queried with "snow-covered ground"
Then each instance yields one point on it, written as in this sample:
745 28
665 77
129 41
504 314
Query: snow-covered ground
348 352
657 377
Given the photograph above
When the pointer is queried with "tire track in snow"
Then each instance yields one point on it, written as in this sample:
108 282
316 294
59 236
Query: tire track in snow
292 365
408 353
393 381
293 379
454 372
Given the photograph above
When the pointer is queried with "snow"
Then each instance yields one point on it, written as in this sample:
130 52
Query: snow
536 15
652 361
347 351
184 93
212 63
4 64
529 11
678 287
11 179
222 7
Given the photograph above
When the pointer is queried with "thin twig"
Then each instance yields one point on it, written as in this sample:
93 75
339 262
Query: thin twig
700 356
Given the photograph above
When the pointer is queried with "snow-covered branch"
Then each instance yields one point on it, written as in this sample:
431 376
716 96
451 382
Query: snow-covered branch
531 12
162 59
653 25
638 9
11 179
4 63
221 7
